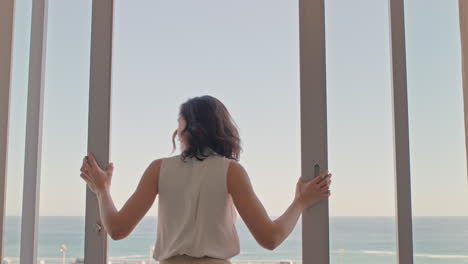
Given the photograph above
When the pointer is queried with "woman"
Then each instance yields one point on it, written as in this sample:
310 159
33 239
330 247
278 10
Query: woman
199 192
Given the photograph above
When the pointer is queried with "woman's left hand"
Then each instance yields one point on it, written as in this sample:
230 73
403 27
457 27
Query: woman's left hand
97 179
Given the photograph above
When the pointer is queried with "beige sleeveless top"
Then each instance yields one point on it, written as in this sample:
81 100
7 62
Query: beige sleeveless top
196 214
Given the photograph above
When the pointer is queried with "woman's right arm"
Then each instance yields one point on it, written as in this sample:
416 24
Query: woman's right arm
270 234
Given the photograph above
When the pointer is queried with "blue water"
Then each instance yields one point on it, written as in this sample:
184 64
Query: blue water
437 240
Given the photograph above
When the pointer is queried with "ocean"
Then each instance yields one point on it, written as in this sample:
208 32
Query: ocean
437 240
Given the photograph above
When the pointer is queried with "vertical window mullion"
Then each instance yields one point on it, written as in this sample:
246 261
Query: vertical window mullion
463 9
33 147
313 105
401 133
99 121
7 9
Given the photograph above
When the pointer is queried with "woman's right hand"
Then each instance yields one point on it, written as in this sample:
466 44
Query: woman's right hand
308 193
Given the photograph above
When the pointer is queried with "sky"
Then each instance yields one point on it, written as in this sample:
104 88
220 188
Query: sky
246 53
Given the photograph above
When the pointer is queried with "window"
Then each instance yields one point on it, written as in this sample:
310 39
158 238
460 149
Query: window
266 61
62 195
360 138
167 52
18 93
439 181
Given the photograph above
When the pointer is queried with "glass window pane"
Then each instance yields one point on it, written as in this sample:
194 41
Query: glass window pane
439 180
360 132
244 54
62 197
17 129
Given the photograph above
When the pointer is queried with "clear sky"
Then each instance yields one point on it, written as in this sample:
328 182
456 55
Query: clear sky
246 54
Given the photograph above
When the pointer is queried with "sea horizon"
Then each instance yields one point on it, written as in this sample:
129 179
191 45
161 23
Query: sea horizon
353 239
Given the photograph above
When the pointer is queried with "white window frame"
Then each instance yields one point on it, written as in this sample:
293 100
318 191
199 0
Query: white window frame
313 105
401 133
99 121
463 11
33 147
7 11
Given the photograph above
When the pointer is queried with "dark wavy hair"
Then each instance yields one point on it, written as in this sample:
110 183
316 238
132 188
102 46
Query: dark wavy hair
209 127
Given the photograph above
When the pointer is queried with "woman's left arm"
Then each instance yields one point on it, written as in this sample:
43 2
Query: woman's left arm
120 223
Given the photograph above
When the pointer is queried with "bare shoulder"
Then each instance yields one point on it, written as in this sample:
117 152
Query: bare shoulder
156 163
236 176
152 171
151 176
235 169
155 167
